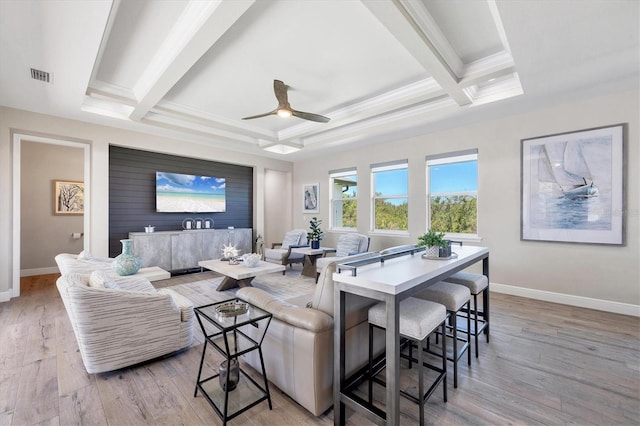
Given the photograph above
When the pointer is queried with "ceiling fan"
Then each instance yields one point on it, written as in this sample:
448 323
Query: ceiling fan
284 109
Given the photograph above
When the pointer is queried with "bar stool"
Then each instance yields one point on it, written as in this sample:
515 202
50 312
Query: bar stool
454 297
418 319
477 284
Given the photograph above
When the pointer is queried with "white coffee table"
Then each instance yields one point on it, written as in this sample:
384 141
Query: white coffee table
238 275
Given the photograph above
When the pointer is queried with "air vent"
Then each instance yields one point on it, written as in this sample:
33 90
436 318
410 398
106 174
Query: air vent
40 75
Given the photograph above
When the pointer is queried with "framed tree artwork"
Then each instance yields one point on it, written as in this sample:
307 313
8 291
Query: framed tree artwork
68 197
572 186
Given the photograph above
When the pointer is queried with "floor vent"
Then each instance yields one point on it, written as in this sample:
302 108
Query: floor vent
40 75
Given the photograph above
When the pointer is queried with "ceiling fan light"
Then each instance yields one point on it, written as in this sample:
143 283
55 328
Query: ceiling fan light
284 112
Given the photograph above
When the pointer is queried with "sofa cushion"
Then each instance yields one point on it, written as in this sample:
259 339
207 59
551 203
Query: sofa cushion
100 279
323 296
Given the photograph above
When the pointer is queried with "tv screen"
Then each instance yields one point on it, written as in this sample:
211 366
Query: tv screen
180 193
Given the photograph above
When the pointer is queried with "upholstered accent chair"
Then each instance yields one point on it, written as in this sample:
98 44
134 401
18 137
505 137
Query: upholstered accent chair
281 254
121 321
348 245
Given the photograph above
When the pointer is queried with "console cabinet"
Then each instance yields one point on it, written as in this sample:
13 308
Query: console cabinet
178 250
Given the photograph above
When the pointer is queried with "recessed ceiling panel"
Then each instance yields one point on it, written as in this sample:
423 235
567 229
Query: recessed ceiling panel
468 26
138 31
331 53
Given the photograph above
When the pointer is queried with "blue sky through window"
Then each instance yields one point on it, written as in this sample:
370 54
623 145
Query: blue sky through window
454 177
391 182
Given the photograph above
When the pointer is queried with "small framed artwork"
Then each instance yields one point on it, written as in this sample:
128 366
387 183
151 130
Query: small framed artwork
310 198
572 186
68 197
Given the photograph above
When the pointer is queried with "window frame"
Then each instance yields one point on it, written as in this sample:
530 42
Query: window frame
332 176
446 159
384 167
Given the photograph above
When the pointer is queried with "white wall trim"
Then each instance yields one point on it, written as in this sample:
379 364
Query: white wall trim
39 271
568 299
18 136
5 296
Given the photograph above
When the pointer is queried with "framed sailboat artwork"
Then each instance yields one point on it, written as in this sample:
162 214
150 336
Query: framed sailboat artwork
572 186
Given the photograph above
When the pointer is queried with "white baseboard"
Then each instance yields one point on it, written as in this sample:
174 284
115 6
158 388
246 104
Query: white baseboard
568 299
5 296
39 271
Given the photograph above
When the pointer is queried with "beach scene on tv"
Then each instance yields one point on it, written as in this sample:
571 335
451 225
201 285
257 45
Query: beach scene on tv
181 193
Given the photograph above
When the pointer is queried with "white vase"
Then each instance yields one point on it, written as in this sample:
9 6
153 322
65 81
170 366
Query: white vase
433 251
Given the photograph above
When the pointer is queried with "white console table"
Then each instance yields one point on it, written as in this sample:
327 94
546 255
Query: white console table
179 250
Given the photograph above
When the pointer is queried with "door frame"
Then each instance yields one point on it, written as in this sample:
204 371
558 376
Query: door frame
19 136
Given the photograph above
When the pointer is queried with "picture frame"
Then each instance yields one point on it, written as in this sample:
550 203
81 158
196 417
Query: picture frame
68 197
310 197
572 186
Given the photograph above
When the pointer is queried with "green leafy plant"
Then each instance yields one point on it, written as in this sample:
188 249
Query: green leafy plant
316 233
431 239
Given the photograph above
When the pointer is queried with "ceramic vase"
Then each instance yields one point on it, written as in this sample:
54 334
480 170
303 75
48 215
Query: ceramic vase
233 373
433 251
315 244
127 263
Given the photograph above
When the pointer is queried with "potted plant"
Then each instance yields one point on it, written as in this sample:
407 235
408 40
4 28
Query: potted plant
316 233
436 245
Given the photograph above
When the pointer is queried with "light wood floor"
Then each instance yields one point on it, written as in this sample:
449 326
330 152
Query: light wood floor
546 364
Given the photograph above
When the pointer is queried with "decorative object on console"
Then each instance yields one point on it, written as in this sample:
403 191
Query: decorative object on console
149 229
434 241
127 263
188 223
251 260
208 223
316 234
229 252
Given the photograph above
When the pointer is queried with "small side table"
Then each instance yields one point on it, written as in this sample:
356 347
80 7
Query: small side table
226 335
310 256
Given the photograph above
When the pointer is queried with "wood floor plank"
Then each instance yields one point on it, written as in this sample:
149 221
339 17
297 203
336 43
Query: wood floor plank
546 364
37 398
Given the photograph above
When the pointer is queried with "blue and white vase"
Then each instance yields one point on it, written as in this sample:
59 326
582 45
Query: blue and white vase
127 263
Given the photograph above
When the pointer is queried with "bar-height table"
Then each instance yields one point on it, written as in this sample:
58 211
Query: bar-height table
391 280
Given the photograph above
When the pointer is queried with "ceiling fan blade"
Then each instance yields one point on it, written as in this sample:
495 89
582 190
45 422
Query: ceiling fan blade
280 89
310 116
261 115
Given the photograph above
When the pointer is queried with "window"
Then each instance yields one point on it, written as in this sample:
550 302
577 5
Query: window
390 183
452 185
344 202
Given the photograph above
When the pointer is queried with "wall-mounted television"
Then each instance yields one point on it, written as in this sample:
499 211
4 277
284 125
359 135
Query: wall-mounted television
181 193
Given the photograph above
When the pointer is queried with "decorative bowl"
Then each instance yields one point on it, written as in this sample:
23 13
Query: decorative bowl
251 260
232 309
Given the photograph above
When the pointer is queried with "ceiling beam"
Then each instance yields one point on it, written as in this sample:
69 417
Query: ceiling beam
405 20
199 27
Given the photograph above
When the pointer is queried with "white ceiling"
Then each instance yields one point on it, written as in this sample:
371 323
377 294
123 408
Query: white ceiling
379 69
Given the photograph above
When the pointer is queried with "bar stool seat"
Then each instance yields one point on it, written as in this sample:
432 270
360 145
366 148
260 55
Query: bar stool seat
418 319
454 297
477 284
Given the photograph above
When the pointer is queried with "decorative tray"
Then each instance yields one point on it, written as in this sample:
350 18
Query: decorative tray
232 309
453 256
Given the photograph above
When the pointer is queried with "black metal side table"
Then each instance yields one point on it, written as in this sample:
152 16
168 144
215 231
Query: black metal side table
224 326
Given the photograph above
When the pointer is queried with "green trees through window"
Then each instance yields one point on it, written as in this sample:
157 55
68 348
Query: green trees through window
456 214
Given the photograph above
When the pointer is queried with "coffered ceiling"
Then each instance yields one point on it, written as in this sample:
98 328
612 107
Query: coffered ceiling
379 69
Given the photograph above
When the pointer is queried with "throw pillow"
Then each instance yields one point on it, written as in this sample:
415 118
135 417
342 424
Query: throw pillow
84 254
100 279
290 239
348 244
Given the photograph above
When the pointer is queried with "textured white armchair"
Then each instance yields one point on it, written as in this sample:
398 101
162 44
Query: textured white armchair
121 321
280 253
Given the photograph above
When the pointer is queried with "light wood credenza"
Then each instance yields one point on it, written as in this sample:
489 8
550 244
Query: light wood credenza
179 250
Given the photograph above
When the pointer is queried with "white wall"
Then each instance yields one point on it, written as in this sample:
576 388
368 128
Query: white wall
100 138
596 272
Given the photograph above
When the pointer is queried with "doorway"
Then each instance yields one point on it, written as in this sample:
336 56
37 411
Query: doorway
23 217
